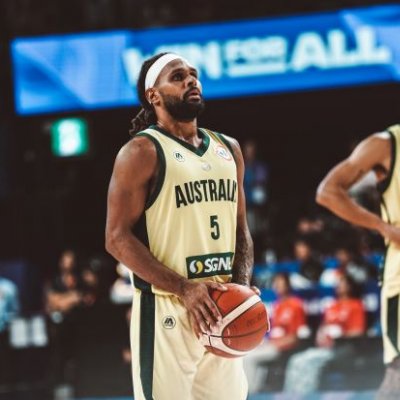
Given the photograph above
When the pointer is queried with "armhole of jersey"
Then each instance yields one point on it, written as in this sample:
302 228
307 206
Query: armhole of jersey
219 137
161 171
393 153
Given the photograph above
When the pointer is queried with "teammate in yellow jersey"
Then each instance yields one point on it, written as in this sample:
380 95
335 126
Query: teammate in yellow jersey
379 153
176 218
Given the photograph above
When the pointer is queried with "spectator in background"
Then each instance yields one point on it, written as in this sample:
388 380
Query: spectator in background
9 308
344 318
63 296
310 265
351 263
310 226
315 228
122 290
288 327
9 303
255 176
96 281
255 187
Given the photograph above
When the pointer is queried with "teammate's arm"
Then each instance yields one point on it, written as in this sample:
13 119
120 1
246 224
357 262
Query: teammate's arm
244 254
333 193
134 170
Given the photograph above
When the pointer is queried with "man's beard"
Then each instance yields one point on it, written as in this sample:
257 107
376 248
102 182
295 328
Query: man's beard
183 109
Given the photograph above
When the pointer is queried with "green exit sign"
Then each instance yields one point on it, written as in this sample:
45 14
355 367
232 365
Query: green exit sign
69 137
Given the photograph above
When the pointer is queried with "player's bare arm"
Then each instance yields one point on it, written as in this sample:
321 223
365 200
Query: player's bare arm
134 171
333 193
244 254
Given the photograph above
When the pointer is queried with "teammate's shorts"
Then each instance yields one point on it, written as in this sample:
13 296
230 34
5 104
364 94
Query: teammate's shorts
170 363
390 319
390 307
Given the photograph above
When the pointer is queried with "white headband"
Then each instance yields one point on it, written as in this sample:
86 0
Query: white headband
156 68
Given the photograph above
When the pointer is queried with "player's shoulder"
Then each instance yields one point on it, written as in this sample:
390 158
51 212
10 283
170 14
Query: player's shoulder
394 130
142 143
375 145
140 148
386 134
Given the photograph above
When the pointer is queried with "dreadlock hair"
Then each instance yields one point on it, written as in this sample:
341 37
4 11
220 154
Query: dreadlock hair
146 115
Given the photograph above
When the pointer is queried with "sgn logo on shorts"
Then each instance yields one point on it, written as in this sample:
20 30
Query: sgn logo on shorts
209 265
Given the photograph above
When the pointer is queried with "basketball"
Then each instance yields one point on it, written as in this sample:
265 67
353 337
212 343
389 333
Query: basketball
244 322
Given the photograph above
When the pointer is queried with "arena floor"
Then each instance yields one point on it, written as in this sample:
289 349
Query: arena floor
342 395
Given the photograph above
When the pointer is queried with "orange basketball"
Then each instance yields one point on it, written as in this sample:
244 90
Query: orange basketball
244 322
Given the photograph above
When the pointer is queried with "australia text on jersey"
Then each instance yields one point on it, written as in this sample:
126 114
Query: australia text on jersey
205 190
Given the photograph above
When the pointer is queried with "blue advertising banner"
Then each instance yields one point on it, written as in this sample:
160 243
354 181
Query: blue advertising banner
99 70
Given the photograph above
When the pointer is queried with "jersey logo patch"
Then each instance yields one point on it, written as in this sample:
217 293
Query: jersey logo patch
169 322
209 265
205 166
222 152
179 156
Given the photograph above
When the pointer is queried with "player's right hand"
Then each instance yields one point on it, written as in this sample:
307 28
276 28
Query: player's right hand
203 313
391 233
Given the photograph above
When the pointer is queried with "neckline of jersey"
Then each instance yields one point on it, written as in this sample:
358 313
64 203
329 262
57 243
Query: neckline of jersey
205 142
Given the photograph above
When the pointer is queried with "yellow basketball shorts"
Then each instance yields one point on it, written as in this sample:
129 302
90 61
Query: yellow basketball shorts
170 363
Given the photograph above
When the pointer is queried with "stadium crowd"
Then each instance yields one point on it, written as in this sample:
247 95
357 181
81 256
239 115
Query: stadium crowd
319 282
73 343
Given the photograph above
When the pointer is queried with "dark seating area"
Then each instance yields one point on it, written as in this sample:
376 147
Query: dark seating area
359 368
97 337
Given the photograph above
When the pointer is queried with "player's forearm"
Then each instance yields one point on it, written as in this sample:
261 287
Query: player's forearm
340 203
128 250
244 257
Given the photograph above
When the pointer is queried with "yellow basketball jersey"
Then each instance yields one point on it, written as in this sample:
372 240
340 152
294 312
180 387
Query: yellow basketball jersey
390 209
189 223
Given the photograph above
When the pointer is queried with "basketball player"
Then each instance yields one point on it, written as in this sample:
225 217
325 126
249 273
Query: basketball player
378 153
177 219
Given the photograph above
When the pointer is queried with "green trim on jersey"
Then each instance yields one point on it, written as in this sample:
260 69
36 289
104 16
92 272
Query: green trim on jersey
382 266
226 142
161 172
197 150
140 231
393 320
219 137
382 187
147 334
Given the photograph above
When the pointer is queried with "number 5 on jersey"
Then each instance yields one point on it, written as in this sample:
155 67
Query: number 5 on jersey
215 233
